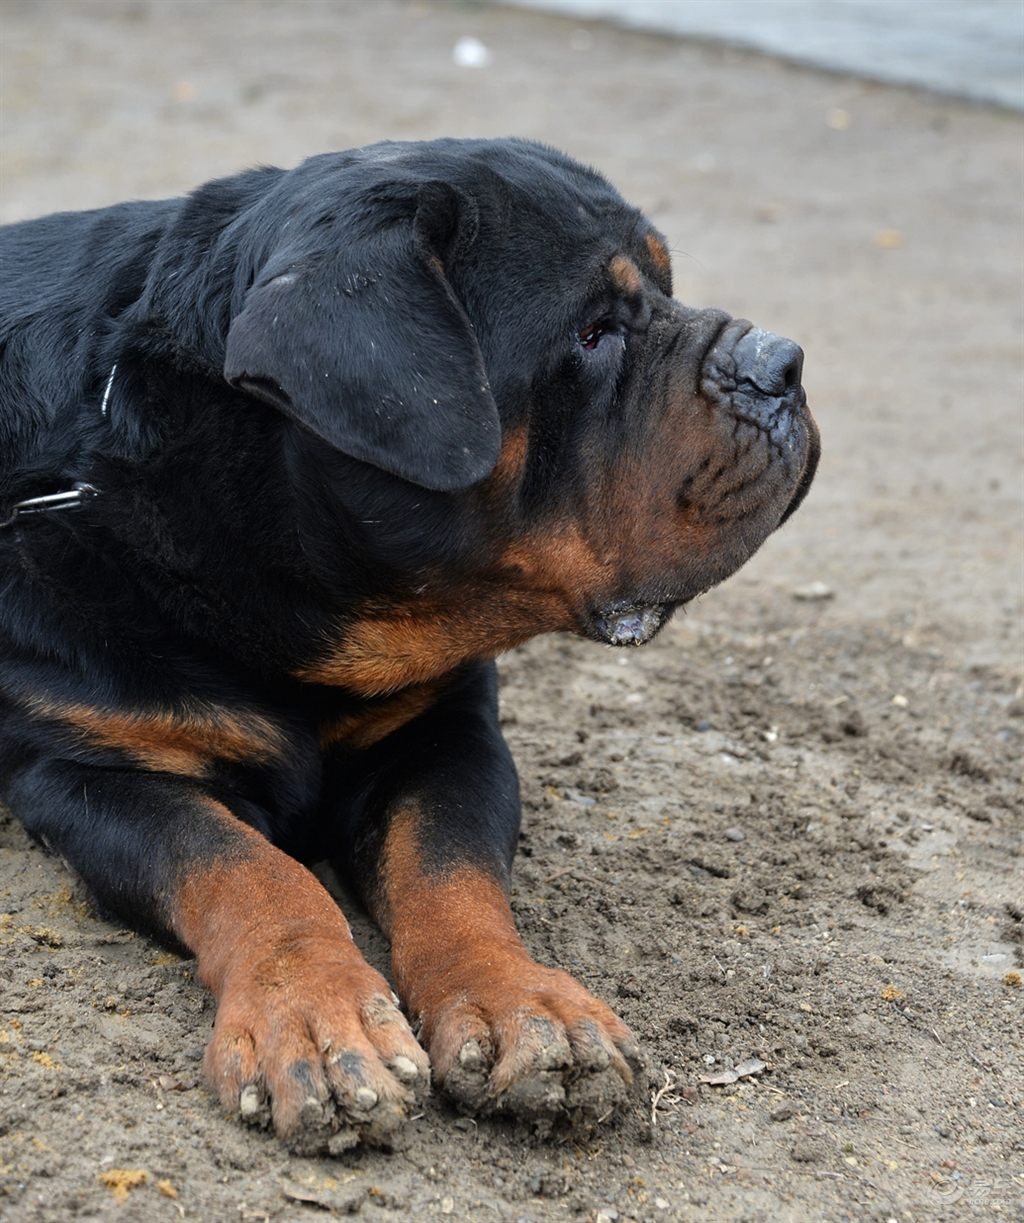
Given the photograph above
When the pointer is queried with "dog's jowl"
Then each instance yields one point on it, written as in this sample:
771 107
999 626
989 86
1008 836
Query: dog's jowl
283 466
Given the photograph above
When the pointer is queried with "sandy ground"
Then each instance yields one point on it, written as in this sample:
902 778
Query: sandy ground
787 830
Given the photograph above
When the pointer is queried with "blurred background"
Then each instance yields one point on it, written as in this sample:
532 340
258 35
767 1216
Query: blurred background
842 172
969 47
877 224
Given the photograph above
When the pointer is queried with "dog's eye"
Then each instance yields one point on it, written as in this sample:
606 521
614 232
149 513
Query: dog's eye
590 336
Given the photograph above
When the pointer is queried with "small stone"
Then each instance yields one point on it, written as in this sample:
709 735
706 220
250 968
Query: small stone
734 834
703 725
366 1098
683 1023
889 239
752 1065
782 1113
813 592
470 52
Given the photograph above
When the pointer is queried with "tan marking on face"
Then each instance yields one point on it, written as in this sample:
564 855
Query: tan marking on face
187 741
668 507
511 464
625 276
392 648
358 731
543 582
658 254
530 587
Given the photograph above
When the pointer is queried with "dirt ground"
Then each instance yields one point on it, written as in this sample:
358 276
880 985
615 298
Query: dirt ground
787 830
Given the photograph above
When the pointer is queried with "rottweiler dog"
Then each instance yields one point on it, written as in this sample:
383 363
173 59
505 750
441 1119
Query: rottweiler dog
284 464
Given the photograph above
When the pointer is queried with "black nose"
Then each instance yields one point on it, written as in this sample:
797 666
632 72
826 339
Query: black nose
770 363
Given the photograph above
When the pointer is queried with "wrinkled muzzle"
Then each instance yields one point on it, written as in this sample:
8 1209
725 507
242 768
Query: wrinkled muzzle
731 456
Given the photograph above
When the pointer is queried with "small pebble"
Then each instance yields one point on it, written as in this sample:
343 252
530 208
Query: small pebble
782 1113
889 239
734 834
470 52
703 725
813 592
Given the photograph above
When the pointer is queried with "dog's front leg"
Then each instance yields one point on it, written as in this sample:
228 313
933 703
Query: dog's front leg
306 1030
432 849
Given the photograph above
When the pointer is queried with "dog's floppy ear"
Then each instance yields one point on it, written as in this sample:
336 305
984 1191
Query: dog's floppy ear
362 340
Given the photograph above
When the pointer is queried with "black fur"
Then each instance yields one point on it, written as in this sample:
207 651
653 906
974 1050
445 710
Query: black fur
291 390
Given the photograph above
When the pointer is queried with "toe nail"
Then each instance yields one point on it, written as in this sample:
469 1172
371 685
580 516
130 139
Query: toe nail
366 1098
471 1056
404 1069
249 1102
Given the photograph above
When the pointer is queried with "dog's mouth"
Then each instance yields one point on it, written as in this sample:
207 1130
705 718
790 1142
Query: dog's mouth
628 624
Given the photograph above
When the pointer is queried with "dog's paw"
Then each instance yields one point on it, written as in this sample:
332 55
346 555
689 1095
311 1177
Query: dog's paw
536 1045
319 1049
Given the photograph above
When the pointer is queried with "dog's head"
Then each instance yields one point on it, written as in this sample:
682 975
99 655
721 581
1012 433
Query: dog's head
488 329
